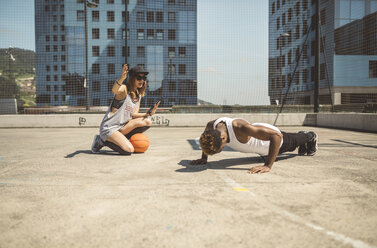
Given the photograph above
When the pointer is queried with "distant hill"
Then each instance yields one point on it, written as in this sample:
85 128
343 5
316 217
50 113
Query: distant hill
202 102
24 62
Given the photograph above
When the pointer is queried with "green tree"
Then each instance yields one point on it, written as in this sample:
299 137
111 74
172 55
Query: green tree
8 87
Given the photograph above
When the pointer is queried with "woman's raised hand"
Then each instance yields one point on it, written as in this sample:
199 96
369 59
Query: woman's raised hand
124 71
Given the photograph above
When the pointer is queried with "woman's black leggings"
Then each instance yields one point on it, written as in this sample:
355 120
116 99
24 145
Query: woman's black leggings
293 140
117 148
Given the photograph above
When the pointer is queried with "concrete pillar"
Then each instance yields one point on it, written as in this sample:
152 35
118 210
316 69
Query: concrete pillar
337 98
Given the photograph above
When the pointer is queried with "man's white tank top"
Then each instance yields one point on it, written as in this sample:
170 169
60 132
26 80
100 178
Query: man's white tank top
254 145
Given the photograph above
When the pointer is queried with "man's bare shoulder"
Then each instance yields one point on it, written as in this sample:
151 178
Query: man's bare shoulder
240 123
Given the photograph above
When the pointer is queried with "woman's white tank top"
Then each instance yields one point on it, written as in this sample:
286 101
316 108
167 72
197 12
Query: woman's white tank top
254 145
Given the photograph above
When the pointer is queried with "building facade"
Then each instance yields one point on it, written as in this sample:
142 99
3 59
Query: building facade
161 36
348 51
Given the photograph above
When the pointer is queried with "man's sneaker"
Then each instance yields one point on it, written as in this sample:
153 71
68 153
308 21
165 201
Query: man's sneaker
97 144
312 145
302 149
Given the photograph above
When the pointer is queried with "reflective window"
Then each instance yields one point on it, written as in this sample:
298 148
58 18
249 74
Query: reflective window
344 11
181 69
141 51
110 16
159 16
187 27
373 6
171 17
95 69
182 51
171 34
95 16
110 68
80 16
150 16
96 86
150 34
95 33
155 65
124 34
110 51
110 34
140 34
357 9
171 52
373 69
159 34
140 16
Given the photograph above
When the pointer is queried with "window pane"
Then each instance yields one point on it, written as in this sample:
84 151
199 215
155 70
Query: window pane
150 16
140 34
344 9
373 6
80 15
140 16
160 34
357 9
150 34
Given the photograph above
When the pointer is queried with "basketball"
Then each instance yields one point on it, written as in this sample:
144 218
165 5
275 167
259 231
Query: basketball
140 142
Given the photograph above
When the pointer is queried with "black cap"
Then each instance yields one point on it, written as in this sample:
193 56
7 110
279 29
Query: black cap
136 70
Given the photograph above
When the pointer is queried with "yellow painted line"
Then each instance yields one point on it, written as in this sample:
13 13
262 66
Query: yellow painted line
240 189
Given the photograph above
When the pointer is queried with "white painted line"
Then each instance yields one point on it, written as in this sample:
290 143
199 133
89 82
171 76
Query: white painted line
337 236
236 186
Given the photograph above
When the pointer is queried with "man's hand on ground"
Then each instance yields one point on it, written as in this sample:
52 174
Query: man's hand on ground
198 161
259 169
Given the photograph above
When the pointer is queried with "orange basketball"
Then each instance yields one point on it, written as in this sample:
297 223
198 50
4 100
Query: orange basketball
140 142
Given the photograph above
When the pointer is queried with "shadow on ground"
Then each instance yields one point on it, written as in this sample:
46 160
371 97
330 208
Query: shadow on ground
226 164
102 152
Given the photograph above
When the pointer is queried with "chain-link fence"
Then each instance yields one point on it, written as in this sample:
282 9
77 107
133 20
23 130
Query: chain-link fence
202 56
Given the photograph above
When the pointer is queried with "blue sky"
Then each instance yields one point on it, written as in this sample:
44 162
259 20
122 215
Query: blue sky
17 24
232 46
233 51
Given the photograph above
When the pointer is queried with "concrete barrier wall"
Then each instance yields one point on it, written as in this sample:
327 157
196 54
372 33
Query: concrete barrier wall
352 121
8 106
173 120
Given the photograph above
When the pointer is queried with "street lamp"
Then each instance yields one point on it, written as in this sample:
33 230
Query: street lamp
170 70
86 80
281 38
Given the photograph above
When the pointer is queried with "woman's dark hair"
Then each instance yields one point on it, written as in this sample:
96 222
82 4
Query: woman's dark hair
131 85
210 142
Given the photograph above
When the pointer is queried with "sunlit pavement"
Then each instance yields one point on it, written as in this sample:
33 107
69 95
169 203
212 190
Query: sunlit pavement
55 193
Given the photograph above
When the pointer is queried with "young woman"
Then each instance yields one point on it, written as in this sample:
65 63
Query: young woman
123 119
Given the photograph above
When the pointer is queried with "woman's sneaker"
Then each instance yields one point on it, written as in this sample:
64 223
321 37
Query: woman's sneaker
97 144
312 145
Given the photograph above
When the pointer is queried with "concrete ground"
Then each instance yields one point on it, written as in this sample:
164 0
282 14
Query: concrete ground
55 193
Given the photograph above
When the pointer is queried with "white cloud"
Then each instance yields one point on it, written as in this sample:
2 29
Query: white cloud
8 31
208 70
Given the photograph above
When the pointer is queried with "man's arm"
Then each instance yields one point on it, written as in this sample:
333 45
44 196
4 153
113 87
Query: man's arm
204 158
262 133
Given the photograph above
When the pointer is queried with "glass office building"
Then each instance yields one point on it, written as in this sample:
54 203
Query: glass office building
161 36
348 51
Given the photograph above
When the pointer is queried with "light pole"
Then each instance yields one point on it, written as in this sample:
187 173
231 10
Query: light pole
86 80
170 70
125 32
317 57
282 36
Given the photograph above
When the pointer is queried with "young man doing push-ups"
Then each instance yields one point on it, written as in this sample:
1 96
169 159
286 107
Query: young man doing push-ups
261 138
